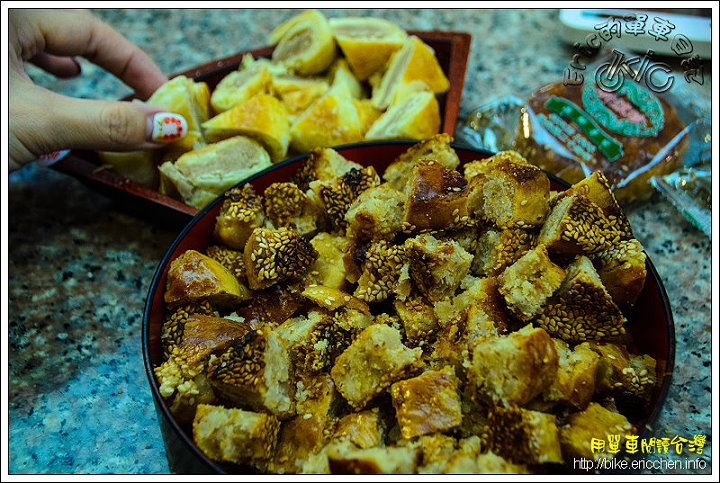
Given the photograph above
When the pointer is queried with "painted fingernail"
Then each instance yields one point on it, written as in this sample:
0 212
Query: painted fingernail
168 127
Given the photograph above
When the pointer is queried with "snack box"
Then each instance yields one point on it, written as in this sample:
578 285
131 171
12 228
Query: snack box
451 49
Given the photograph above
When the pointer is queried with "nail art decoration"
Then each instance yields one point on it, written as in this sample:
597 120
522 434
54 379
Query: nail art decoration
168 127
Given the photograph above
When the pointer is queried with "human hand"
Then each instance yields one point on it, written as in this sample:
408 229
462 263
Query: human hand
42 121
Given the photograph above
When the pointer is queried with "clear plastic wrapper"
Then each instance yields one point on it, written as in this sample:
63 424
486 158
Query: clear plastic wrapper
645 138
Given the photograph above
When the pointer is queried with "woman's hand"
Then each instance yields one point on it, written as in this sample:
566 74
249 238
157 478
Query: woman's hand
42 121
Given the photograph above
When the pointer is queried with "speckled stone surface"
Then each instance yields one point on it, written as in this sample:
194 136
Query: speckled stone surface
80 266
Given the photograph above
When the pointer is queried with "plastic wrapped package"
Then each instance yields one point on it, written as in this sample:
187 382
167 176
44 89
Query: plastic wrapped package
642 137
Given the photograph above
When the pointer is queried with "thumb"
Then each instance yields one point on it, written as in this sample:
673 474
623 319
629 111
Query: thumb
50 122
114 125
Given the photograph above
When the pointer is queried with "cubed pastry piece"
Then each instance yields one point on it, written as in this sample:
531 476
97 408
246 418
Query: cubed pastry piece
200 175
309 431
229 258
331 120
340 73
262 117
528 283
376 214
322 164
418 319
437 147
349 459
272 305
366 43
304 43
376 359
240 213
316 340
597 187
576 225
194 277
338 194
574 386
435 449
174 325
255 373
329 267
286 205
298 93
183 386
629 378
384 271
507 191
450 343
253 77
367 113
331 298
436 266
411 116
436 198
189 98
481 303
183 383
513 369
363 428
207 334
443 454
491 463
582 309
235 435
427 403
523 436
498 248
276 255
139 166
414 61
623 270
595 422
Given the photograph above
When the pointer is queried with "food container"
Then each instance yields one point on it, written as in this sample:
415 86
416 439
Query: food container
650 320
451 49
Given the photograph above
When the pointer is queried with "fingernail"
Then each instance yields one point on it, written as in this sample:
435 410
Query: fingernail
168 127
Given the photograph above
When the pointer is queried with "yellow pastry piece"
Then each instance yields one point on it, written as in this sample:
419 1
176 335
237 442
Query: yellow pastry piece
253 77
194 277
414 117
305 43
340 73
414 61
331 121
298 93
199 176
367 43
139 166
262 117
188 98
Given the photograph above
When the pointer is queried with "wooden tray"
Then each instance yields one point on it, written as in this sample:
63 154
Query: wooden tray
451 49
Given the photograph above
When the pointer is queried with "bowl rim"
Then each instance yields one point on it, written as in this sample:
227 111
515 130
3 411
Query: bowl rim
660 393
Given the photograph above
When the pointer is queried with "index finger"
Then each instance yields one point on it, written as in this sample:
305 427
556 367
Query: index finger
80 33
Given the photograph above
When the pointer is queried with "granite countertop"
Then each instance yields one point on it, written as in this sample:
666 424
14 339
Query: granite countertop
79 266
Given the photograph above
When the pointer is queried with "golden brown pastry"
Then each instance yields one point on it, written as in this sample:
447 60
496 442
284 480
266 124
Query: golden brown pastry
511 370
262 117
201 175
276 255
235 435
367 43
194 277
